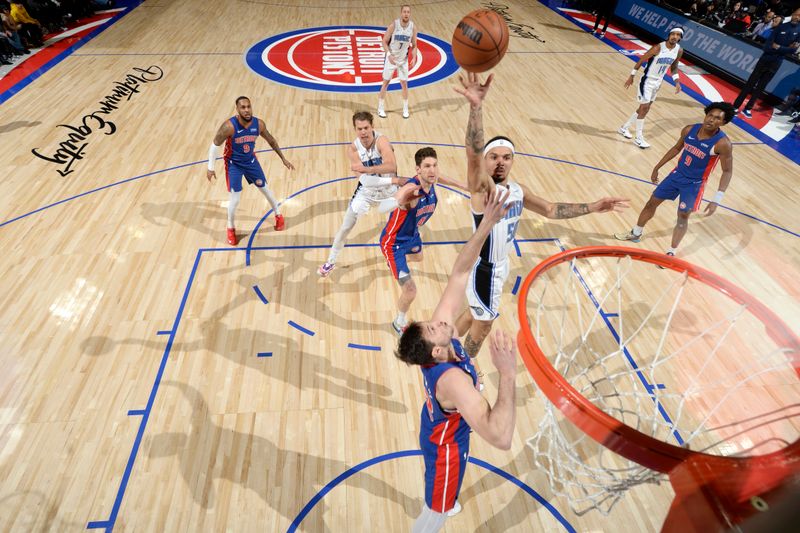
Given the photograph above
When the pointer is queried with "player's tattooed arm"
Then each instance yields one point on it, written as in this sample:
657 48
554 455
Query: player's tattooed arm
570 210
471 346
474 137
224 131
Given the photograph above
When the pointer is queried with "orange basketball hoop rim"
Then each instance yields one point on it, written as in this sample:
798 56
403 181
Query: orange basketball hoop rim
731 480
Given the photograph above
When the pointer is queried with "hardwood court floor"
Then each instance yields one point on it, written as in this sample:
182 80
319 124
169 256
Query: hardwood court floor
133 395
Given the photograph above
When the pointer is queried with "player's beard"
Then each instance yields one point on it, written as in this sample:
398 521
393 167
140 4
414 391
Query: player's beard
497 178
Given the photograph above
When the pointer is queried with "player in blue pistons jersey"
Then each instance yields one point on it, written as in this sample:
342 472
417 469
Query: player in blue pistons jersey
454 406
400 239
239 133
701 146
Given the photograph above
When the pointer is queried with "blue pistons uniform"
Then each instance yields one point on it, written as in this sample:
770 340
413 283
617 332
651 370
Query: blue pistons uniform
401 236
240 156
444 437
689 177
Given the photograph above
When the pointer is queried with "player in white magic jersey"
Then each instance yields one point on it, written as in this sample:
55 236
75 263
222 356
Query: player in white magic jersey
657 60
372 159
488 168
400 45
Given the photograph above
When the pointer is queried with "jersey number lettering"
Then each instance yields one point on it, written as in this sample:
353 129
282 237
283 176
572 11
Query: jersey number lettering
512 230
245 148
422 220
688 161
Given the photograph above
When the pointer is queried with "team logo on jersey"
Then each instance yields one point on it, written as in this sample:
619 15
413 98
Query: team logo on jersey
343 59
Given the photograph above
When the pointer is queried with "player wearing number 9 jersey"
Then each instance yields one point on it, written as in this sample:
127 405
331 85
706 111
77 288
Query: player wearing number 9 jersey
700 146
488 168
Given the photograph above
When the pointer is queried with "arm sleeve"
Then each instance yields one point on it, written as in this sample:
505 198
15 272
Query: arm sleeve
212 155
373 180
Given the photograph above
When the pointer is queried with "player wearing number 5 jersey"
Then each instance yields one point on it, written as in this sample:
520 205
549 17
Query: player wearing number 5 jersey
701 146
488 169
656 61
239 134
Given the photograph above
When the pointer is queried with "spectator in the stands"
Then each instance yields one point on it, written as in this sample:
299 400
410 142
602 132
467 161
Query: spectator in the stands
10 30
738 20
52 16
29 28
783 41
791 106
762 24
766 32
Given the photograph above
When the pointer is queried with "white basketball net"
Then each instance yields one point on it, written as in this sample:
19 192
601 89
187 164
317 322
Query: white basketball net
662 353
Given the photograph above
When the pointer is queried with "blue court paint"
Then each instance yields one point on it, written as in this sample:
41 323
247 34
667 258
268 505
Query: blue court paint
516 285
744 143
108 525
30 78
164 332
260 295
610 315
516 248
249 246
142 54
416 453
265 354
298 327
136 412
363 347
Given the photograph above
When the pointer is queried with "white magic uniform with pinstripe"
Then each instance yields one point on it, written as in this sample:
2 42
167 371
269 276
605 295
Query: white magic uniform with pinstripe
398 48
654 71
366 197
490 271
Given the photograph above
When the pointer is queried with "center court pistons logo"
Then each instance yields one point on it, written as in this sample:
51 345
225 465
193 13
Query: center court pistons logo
343 59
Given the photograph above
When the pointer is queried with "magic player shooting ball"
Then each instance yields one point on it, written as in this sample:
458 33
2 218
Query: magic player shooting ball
480 40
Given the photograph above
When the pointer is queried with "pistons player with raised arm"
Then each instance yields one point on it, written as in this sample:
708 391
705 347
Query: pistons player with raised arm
239 133
701 146
400 241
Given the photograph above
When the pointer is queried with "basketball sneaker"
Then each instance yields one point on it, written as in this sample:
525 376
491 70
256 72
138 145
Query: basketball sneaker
625 132
280 223
641 143
398 328
326 269
602 34
232 240
455 510
669 254
630 236
381 112
747 113
405 112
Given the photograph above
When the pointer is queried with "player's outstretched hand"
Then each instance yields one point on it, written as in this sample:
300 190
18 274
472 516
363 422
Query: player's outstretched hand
629 82
407 193
472 88
609 203
654 176
211 175
288 164
503 348
710 209
496 207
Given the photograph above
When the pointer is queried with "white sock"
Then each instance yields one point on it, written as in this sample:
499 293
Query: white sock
429 521
380 103
401 318
405 105
637 230
630 120
639 126
233 203
271 199
671 251
348 223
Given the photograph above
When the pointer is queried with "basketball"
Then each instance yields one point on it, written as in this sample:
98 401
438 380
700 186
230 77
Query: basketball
480 40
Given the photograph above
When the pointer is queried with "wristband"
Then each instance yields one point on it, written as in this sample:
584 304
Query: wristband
675 77
633 72
212 156
718 197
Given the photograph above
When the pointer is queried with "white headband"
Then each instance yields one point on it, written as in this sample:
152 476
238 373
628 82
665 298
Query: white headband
678 30
498 143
